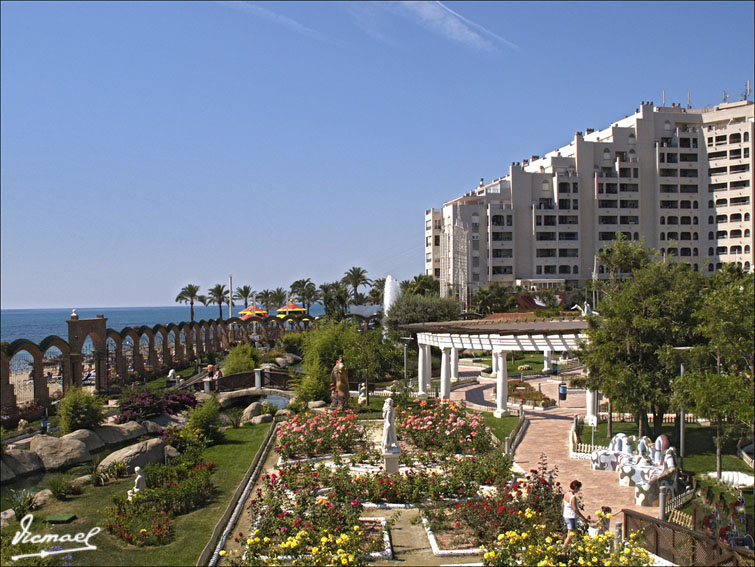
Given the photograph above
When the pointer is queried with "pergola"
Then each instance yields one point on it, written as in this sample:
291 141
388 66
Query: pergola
499 336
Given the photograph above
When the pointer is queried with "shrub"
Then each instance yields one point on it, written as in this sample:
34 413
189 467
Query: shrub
60 485
142 405
291 342
22 502
242 358
80 410
234 416
204 420
318 434
311 388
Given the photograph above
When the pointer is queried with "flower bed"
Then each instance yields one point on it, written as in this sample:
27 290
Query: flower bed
309 435
529 396
446 428
143 405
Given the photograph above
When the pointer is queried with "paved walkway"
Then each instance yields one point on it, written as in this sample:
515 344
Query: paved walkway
548 434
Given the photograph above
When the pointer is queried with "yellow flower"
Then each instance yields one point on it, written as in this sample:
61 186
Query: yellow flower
323 540
356 528
142 531
549 539
249 541
222 552
500 537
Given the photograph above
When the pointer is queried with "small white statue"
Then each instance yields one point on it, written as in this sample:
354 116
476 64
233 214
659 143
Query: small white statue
362 394
139 483
389 426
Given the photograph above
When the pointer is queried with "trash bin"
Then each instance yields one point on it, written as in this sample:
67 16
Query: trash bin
562 391
554 369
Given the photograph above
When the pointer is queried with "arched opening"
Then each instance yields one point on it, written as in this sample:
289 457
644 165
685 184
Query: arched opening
52 369
22 377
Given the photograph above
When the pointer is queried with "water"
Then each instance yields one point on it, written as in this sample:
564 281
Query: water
391 292
36 324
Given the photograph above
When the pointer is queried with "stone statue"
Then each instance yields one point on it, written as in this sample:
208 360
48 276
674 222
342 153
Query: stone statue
362 394
390 443
339 384
661 445
669 476
139 483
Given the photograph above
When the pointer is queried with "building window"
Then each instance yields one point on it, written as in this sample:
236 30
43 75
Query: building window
437 241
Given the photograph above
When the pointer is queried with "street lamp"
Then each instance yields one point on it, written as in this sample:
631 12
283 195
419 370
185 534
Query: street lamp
406 341
681 412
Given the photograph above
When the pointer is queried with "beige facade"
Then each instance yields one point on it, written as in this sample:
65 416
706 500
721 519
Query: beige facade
679 180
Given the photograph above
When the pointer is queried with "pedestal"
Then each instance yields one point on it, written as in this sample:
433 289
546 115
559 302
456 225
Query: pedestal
391 457
501 413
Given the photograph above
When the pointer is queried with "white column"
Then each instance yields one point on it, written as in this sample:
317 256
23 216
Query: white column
428 369
591 403
547 361
454 365
495 363
422 371
502 385
445 373
258 378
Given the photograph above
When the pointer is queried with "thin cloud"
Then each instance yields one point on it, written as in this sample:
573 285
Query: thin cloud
368 16
478 26
285 21
444 22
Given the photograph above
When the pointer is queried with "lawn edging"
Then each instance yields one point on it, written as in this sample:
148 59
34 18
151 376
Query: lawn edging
210 553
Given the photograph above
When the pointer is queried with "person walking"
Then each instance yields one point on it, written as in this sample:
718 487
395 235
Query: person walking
572 511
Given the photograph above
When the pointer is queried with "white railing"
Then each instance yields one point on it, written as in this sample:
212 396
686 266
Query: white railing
577 450
679 500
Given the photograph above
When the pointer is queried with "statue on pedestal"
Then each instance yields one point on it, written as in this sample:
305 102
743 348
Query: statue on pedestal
390 442
139 483
339 384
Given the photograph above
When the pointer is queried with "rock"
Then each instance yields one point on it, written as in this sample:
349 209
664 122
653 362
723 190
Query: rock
7 516
245 395
283 412
42 497
6 473
172 452
252 410
138 454
269 365
151 427
287 359
22 462
316 404
166 420
58 453
81 481
90 439
265 418
114 433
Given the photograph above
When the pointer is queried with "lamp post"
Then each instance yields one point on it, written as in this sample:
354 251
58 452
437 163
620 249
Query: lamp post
681 414
406 341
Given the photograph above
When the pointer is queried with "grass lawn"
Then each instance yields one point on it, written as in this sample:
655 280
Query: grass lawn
500 426
192 531
159 384
534 359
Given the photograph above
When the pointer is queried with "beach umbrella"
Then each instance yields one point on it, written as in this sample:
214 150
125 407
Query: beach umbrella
290 309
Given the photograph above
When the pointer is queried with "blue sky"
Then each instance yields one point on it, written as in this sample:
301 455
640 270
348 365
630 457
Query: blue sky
149 145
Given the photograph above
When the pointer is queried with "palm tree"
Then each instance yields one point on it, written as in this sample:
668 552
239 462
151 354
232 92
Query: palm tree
376 291
278 296
335 298
297 287
423 284
355 277
218 294
305 292
244 292
189 294
265 298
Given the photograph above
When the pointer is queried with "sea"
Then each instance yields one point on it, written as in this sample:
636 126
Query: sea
36 324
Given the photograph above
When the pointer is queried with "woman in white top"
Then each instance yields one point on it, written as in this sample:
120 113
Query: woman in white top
572 511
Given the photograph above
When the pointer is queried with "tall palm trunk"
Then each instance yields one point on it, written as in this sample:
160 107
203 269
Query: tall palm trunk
192 310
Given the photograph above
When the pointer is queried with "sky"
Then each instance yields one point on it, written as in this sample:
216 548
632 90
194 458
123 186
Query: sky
148 145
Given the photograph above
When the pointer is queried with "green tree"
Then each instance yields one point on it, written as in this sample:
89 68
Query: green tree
189 294
335 299
376 291
420 309
726 399
241 358
495 298
218 294
278 297
80 410
638 321
356 277
265 297
423 284
305 292
621 257
244 293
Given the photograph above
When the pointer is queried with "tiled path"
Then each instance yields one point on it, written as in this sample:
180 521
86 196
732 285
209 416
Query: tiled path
548 434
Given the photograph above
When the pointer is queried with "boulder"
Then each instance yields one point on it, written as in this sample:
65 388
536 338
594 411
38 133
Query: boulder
6 473
172 452
245 395
118 433
22 462
151 427
316 404
166 420
269 365
81 481
90 439
283 412
58 453
252 410
265 418
7 516
287 359
42 497
137 455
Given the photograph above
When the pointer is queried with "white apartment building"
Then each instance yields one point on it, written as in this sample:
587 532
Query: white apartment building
679 180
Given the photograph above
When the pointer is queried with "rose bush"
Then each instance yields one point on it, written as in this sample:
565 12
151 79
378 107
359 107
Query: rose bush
307 435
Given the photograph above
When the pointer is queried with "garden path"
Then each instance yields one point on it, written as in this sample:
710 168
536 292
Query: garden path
548 434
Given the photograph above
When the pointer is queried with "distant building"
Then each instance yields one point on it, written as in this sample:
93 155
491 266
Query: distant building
679 180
